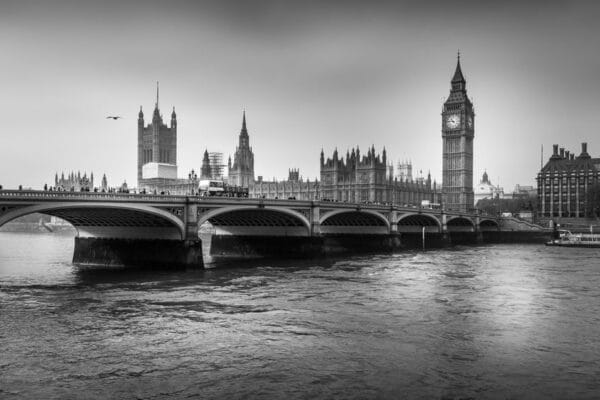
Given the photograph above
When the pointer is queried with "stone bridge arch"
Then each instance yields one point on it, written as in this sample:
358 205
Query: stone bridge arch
460 224
415 222
489 225
344 221
256 221
108 220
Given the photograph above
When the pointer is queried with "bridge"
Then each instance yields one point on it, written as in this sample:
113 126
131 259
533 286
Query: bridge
158 229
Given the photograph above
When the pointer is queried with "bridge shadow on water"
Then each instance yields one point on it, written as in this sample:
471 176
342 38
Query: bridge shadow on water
228 253
217 273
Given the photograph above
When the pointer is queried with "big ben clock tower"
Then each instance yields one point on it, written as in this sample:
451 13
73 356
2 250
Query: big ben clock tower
458 130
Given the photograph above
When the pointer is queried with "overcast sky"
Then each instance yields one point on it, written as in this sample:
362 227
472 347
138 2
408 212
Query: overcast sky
310 75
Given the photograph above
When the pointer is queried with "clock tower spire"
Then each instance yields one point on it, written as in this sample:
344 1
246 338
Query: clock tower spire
458 132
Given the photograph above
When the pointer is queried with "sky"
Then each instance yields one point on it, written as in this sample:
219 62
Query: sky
311 75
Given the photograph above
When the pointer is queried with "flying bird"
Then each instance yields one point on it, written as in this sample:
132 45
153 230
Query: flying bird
115 117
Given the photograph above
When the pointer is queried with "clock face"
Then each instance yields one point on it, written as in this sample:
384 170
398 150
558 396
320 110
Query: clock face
453 121
469 122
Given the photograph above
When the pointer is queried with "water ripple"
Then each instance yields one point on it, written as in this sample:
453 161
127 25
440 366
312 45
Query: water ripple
470 322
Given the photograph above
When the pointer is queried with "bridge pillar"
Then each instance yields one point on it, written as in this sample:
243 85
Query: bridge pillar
445 234
315 216
393 220
444 222
479 234
191 222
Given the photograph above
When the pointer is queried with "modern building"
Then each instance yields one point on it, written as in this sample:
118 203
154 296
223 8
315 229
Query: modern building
367 179
157 145
458 131
566 182
486 190
241 173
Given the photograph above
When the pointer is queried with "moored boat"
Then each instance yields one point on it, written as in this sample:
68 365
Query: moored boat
568 239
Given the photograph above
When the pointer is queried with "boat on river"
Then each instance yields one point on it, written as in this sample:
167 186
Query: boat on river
568 239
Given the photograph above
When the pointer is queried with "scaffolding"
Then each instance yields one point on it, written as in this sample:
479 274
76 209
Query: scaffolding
216 165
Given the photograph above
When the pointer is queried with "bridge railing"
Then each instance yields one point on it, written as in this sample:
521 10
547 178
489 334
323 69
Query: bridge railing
56 195
20 195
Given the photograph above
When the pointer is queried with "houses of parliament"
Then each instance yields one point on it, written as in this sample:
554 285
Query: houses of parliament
353 177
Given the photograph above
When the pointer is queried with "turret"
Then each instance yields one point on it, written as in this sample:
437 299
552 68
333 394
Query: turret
322 157
173 118
205 170
373 155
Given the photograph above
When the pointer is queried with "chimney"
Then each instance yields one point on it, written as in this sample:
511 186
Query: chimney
572 156
583 147
554 149
567 154
562 152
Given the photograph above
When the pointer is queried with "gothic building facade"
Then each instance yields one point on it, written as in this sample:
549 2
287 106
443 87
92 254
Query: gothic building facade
368 179
458 131
565 182
241 173
157 142
75 182
295 187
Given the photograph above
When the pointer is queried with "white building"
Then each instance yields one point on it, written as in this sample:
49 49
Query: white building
485 189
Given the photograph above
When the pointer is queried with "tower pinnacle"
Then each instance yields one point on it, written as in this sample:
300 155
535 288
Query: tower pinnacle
458 75
156 94
244 131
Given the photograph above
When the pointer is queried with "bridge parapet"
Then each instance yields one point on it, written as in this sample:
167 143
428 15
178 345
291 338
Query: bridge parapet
313 214
86 196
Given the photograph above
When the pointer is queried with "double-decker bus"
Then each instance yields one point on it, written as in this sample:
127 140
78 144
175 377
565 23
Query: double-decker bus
220 188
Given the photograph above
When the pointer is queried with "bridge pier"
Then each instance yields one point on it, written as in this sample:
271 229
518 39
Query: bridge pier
145 253
315 217
228 247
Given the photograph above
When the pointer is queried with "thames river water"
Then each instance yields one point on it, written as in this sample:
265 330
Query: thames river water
496 321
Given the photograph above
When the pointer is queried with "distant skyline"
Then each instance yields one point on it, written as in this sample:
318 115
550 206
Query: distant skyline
310 75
